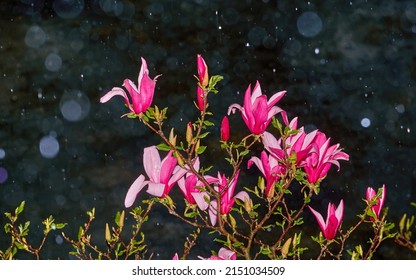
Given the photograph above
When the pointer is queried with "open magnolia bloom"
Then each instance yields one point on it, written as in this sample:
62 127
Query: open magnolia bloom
321 156
257 111
334 216
227 196
141 95
163 174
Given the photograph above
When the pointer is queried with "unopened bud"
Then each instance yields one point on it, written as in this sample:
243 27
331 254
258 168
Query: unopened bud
172 137
107 233
179 159
189 134
121 219
197 145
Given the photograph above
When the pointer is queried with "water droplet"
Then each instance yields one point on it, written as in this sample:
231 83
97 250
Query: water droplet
316 51
74 105
365 122
59 240
2 153
53 62
68 9
48 146
400 108
35 37
309 24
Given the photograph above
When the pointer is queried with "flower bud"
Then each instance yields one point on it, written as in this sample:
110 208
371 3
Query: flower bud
172 138
189 135
225 129
107 233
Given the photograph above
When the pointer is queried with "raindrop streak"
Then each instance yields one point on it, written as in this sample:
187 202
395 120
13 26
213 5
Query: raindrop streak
35 37
365 122
309 24
48 146
53 62
68 9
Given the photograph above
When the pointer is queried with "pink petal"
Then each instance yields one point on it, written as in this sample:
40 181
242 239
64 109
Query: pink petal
276 98
212 211
156 189
201 199
152 164
134 190
115 91
227 254
319 218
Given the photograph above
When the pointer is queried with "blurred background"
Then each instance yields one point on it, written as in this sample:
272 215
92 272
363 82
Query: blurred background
349 69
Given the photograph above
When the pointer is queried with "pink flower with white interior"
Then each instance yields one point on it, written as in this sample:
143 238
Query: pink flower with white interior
334 217
320 158
192 189
257 111
299 143
227 199
163 174
141 95
271 169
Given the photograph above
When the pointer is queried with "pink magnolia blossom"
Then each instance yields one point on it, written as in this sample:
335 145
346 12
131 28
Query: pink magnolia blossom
223 254
320 158
227 198
299 143
330 227
370 194
203 79
225 129
141 96
257 112
163 174
191 188
175 257
271 169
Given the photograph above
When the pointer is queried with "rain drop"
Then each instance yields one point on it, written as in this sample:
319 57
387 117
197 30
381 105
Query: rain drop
309 24
53 62
2 153
365 122
68 9
74 105
35 37
48 146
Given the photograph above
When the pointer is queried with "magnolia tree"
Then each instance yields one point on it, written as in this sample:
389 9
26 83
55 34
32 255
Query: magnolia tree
254 221
249 221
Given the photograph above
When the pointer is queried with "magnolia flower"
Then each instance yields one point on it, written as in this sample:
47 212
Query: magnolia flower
257 112
369 196
225 129
333 220
191 188
223 254
271 169
299 143
162 175
175 257
320 158
141 96
227 198
203 80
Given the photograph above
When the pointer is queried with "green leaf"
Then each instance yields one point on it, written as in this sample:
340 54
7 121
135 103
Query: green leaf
163 147
201 149
203 135
20 208
208 123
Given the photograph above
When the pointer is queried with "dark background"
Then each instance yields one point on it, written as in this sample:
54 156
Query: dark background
348 67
